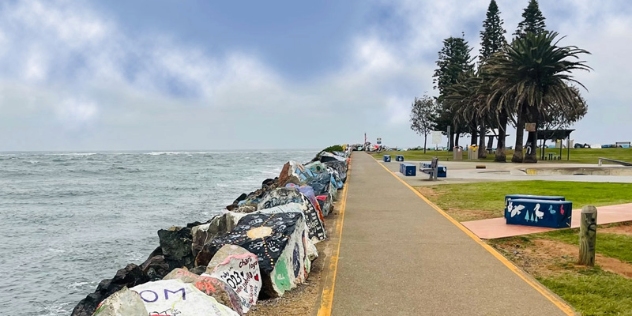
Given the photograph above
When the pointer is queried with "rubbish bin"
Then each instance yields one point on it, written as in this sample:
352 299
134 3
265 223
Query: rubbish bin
472 152
457 153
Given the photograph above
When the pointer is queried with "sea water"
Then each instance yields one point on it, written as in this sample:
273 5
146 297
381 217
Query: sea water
69 220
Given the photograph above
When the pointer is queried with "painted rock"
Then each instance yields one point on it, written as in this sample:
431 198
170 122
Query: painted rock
309 244
210 286
308 192
238 268
219 225
277 240
175 297
326 203
122 303
282 196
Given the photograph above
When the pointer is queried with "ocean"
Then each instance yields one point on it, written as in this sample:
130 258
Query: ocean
69 220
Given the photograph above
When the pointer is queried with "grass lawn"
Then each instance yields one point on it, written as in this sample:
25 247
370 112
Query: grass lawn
612 245
590 290
593 291
577 155
488 198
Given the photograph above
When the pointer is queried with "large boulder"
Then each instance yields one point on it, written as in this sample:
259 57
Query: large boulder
279 243
175 297
326 203
238 268
282 196
175 243
209 285
122 303
129 276
219 225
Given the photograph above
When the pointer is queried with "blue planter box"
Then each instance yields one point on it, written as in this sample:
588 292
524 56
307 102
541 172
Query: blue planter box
510 197
407 169
442 171
540 213
399 158
387 158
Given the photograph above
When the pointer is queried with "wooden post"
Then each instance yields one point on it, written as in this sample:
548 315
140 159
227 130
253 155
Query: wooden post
588 235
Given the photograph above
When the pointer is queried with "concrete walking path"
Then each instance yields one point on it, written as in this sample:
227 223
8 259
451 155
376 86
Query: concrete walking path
400 256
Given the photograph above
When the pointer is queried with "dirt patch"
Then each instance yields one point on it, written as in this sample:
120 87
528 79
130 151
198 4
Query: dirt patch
547 258
305 298
428 192
623 228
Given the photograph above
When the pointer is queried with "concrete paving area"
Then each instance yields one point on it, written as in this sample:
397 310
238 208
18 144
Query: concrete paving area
400 256
465 172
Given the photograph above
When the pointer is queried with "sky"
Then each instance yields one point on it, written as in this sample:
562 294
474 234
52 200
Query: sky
204 75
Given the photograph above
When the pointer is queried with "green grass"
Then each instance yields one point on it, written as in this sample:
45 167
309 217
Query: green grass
490 196
593 291
611 245
577 155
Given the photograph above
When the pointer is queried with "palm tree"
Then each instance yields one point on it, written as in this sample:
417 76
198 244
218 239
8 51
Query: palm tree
535 73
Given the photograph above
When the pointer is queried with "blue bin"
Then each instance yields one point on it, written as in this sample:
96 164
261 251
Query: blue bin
399 158
539 213
387 158
407 169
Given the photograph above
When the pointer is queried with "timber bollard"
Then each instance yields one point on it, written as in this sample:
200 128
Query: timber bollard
588 235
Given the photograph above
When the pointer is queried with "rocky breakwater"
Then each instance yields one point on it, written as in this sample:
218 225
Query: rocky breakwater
259 247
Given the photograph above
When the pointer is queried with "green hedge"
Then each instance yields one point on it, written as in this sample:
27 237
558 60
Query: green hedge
333 148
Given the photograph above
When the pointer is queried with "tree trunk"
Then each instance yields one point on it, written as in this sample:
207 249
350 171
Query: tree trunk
474 133
450 141
531 155
482 153
425 139
502 134
457 135
517 156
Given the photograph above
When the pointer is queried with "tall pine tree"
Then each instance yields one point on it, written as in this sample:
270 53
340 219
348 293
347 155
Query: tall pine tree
493 34
533 20
454 61
492 41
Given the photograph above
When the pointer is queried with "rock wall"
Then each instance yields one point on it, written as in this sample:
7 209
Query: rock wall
260 247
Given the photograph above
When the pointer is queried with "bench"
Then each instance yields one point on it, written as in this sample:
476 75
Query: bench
399 158
434 169
431 168
539 211
407 169
387 158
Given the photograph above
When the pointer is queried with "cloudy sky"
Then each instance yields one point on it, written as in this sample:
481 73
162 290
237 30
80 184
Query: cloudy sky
177 75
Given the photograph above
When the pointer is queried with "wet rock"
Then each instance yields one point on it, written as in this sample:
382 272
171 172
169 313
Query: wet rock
156 267
174 297
238 268
176 243
242 197
122 303
129 276
219 225
209 285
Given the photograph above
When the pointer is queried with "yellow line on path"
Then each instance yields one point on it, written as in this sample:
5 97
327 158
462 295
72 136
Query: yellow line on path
327 297
536 285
